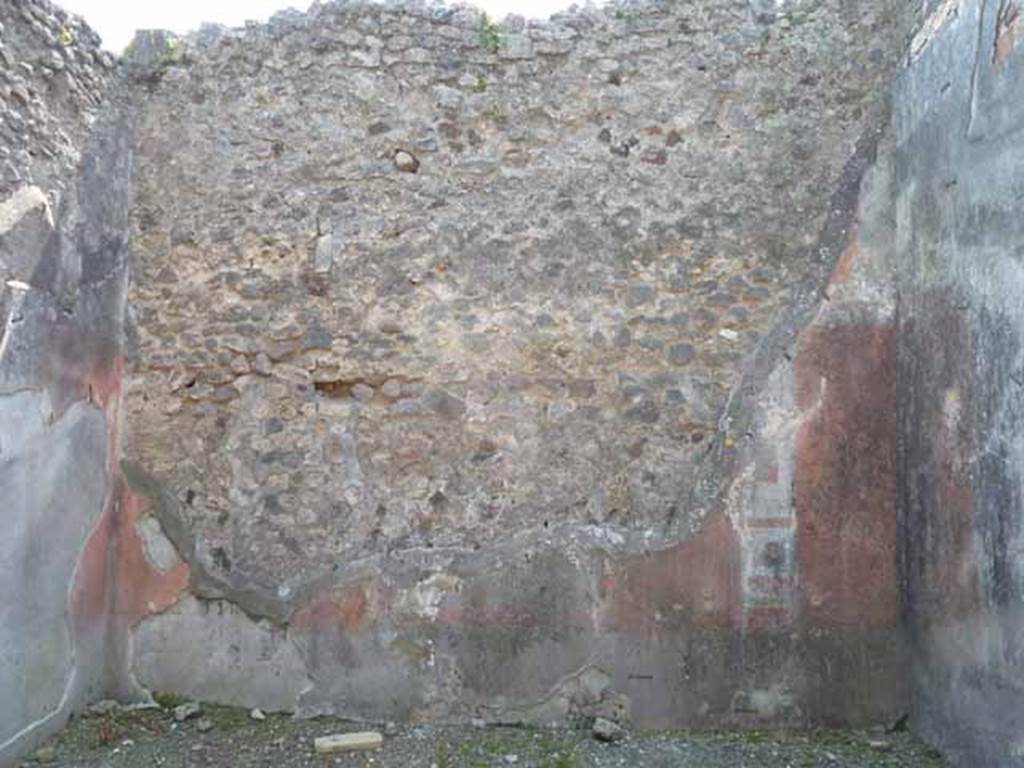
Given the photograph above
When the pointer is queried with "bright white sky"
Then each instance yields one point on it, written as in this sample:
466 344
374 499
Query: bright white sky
117 20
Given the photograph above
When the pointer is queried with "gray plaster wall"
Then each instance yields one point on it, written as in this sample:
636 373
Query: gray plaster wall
959 208
63 202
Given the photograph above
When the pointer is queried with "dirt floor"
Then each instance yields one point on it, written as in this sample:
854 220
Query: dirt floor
224 736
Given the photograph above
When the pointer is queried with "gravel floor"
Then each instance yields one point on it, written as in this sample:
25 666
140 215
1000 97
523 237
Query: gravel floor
223 736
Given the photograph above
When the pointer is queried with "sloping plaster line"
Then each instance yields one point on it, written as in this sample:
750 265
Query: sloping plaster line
720 463
5 337
972 101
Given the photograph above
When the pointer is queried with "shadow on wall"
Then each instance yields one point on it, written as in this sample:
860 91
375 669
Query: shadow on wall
959 169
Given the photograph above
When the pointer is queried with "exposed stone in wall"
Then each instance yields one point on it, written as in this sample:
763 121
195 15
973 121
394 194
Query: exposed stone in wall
538 326
454 345
54 74
958 168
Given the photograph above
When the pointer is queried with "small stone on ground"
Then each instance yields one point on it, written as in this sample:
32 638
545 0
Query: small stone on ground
187 711
406 163
105 707
607 731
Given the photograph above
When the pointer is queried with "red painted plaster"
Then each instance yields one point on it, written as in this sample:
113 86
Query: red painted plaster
142 589
695 582
845 484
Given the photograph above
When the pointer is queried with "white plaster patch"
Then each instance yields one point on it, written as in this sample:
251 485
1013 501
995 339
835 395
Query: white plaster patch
951 410
159 550
932 26
20 204
769 702
760 502
426 598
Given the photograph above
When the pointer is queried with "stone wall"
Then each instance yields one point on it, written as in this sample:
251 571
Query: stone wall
959 167
496 371
63 243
